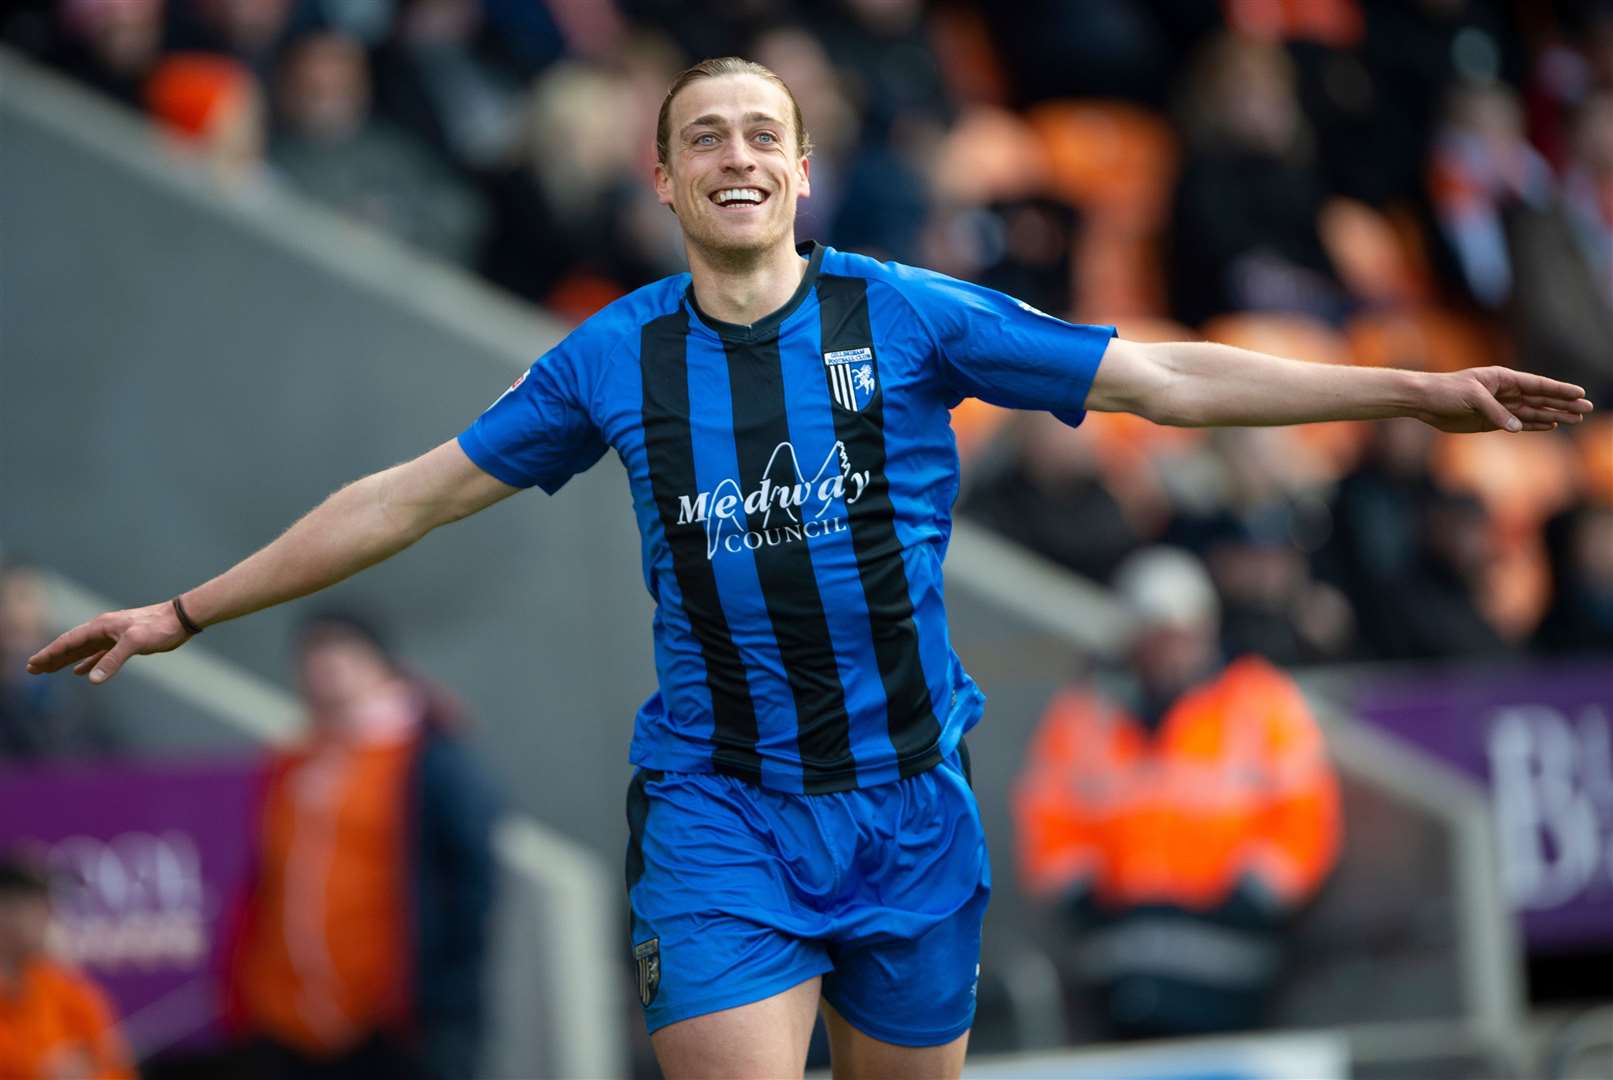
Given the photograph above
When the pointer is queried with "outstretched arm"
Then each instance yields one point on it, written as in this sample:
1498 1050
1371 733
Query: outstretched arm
1200 384
357 526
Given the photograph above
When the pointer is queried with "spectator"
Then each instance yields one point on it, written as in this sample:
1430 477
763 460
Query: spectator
111 45
55 1024
1175 826
1376 538
799 59
435 80
1481 166
364 942
573 203
329 145
252 31
1270 605
1580 618
1435 612
1244 232
212 104
1100 48
1051 497
39 722
1562 255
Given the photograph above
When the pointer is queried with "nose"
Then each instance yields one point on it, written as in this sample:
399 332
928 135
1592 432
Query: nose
738 157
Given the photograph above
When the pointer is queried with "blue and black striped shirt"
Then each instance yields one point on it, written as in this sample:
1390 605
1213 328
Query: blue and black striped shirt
793 481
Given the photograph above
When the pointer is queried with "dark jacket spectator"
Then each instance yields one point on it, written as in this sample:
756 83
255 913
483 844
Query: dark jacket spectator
1244 230
1579 542
1433 613
1050 497
1562 254
329 146
40 718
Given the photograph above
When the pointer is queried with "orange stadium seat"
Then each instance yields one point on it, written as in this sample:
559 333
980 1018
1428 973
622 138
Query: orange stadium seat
1110 158
1424 338
1369 254
974 422
1522 480
1338 23
989 155
1298 336
1518 587
1328 450
969 64
1118 273
1117 162
1594 441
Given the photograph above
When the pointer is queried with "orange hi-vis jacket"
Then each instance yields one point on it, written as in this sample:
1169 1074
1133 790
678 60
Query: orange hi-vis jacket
1234 783
56 1022
322 961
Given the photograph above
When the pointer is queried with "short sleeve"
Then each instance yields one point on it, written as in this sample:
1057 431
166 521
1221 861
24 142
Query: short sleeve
541 430
1003 351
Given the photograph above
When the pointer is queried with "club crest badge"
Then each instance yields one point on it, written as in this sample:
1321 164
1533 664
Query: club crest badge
853 377
648 956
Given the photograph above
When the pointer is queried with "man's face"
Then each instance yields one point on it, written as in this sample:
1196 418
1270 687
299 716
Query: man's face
338 674
24 925
733 169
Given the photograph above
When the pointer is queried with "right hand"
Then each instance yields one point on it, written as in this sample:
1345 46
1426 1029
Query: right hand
100 647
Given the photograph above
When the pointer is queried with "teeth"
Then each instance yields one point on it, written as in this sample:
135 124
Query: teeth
731 195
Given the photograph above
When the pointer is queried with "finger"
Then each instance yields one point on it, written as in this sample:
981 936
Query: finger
1579 406
1533 413
112 661
75 644
1494 412
83 666
1527 383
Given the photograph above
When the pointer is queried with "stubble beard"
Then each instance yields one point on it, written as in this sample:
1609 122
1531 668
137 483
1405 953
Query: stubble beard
731 256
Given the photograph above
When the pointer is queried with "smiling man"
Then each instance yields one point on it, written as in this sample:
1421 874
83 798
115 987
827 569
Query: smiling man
803 832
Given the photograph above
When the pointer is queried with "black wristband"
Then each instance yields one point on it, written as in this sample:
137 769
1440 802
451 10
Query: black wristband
184 620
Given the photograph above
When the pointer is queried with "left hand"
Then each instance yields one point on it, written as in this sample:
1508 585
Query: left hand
1498 398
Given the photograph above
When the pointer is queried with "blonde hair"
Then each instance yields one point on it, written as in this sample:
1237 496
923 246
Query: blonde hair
714 69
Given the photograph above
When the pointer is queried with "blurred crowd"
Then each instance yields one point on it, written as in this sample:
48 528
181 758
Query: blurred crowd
1423 183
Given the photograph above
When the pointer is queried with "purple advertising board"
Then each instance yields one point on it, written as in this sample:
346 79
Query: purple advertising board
1539 739
147 864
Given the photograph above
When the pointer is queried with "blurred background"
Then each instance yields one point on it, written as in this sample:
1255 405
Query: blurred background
1298 760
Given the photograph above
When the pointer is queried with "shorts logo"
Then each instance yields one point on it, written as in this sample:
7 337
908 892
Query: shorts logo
648 956
852 377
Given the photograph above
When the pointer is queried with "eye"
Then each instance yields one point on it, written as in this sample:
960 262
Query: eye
708 139
766 137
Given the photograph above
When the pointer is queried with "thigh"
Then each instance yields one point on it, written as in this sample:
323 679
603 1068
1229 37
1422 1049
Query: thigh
716 918
906 953
857 1056
764 1040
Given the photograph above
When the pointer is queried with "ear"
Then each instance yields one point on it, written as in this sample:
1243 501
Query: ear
804 167
663 184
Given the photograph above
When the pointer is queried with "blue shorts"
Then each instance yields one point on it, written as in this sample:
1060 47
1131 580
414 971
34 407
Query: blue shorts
739 893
